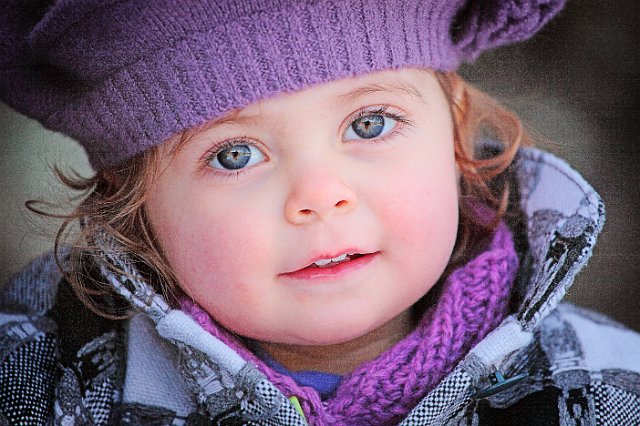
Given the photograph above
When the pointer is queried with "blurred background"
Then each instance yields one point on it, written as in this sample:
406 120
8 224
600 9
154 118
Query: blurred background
577 83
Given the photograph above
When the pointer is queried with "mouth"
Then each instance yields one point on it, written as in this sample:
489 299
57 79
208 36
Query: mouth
327 263
330 266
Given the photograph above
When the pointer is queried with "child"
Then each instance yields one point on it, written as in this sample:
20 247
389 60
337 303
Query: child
300 215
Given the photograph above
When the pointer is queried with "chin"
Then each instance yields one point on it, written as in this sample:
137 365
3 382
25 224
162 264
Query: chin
333 340
334 335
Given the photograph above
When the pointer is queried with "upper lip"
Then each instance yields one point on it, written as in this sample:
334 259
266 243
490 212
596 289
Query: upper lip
325 256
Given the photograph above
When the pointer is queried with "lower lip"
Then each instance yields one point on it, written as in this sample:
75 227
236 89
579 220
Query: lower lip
332 272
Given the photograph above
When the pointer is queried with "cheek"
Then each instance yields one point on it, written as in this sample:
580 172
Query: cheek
422 202
425 221
220 261
420 211
208 248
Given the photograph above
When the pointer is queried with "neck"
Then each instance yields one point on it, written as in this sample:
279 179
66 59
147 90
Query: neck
342 358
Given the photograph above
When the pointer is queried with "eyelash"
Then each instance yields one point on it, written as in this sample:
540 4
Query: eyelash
400 118
211 154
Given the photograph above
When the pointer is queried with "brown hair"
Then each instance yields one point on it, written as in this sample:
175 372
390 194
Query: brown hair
114 199
479 119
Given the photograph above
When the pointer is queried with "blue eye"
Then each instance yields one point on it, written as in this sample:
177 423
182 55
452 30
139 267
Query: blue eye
236 156
370 126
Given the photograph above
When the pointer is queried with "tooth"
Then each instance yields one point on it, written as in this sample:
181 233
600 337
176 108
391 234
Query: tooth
322 262
339 258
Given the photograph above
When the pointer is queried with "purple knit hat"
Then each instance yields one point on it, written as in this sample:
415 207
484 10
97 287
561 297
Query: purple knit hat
121 76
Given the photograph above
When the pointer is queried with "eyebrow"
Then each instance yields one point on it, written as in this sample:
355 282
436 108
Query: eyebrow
401 88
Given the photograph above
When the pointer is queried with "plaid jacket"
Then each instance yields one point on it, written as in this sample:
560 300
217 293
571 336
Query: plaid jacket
547 363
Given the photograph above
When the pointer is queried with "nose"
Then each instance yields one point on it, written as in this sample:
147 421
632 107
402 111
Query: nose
317 197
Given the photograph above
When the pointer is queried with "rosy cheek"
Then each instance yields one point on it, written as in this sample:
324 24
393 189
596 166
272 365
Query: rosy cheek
204 253
417 206
215 250
421 215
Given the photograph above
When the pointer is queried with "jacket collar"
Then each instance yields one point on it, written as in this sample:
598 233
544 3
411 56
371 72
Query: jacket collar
564 217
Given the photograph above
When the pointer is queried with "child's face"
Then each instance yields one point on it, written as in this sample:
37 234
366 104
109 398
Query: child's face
244 208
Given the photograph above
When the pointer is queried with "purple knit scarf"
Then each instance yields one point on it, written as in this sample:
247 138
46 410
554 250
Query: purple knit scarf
473 302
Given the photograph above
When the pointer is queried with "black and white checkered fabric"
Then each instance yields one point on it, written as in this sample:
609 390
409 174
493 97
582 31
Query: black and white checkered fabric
443 402
614 406
98 400
26 382
285 415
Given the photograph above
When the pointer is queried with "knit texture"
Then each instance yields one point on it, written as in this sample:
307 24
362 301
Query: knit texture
121 76
474 301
